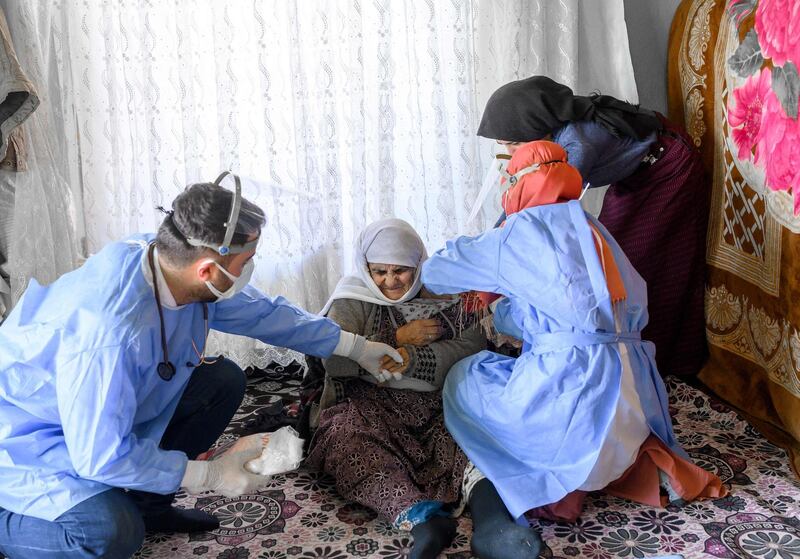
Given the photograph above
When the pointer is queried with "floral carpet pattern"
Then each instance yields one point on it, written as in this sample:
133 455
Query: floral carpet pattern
300 516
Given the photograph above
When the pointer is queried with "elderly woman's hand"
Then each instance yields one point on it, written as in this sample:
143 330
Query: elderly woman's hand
391 366
419 332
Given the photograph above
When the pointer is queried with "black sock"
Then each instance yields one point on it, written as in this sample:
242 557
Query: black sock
432 537
179 520
495 535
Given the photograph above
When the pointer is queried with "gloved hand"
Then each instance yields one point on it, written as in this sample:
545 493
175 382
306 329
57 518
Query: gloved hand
367 354
397 370
225 475
371 358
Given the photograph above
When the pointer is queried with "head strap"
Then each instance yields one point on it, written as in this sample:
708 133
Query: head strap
230 226
512 179
233 217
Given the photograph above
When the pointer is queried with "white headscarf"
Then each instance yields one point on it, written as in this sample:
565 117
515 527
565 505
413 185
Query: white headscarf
386 241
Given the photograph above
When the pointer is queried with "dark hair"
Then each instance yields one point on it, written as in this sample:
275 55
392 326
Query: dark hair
201 212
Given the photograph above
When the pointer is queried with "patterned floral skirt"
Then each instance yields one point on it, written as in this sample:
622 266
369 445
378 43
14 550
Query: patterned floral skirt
388 449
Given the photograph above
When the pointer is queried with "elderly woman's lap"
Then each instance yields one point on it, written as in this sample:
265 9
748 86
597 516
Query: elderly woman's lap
389 449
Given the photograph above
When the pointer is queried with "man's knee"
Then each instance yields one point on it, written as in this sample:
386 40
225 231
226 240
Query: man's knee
122 537
116 531
228 379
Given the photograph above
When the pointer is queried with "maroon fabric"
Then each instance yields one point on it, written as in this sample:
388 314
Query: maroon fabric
659 216
388 449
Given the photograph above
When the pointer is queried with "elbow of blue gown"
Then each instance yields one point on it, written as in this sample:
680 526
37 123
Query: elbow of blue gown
434 274
134 464
464 264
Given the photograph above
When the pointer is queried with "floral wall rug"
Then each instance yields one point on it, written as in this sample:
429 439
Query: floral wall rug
763 110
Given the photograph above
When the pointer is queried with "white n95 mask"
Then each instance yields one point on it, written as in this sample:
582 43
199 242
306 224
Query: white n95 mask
239 282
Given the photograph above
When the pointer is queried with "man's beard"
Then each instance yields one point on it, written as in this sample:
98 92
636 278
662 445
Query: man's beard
201 294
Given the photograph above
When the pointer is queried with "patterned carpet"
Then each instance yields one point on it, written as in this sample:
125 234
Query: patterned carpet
300 516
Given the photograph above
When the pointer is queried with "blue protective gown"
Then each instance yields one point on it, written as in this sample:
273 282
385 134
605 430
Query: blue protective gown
535 425
82 408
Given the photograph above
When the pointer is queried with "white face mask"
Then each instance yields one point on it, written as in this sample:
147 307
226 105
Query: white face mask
239 282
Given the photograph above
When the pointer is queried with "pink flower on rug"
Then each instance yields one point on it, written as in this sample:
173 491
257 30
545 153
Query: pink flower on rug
778 30
778 149
745 110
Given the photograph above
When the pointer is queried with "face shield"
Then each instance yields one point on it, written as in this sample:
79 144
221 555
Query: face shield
498 171
239 216
491 180
498 176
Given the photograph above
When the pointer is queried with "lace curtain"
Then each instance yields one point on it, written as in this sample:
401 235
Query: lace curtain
41 217
367 108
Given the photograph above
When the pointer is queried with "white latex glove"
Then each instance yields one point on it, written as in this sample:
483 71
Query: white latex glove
225 475
366 353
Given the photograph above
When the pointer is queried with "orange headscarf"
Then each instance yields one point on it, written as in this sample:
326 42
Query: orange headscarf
553 181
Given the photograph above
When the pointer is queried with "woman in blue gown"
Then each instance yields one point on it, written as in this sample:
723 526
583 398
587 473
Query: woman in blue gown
573 411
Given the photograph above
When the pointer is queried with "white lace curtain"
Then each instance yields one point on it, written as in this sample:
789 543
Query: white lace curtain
40 218
369 108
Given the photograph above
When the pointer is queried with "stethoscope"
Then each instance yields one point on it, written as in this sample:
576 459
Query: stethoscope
166 369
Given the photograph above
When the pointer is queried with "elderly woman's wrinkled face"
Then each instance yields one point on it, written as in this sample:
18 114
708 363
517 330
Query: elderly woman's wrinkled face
393 281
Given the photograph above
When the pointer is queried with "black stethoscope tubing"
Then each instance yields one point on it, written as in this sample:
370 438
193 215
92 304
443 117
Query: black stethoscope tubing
166 369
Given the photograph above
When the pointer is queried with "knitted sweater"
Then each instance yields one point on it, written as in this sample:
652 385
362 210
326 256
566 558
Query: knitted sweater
429 364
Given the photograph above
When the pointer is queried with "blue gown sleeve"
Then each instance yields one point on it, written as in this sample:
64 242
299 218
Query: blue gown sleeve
275 321
517 261
503 321
465 264
96 396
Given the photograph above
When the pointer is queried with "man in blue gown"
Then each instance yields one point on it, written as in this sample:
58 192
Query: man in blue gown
107 398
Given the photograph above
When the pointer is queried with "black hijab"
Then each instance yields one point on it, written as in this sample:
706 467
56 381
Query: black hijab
530 109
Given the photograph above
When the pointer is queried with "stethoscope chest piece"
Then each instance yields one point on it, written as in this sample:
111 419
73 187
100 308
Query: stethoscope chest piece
166 370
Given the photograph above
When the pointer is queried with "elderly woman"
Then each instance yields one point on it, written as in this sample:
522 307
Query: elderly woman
583 408
656 207
385 443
